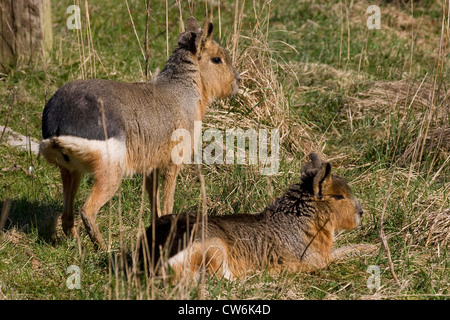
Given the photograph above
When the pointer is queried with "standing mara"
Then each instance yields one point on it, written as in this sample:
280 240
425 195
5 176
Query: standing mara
111 129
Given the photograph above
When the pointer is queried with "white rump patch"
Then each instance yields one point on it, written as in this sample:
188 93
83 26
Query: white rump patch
179 258
183 259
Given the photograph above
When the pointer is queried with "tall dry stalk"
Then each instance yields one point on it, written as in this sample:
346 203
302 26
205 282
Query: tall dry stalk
134 29
81 55
147 22
88 56
382 234
167 30
93 69
235 30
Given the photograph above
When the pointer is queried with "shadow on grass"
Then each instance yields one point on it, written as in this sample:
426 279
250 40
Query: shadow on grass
31 217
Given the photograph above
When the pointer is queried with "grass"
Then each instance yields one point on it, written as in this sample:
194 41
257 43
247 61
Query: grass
314 69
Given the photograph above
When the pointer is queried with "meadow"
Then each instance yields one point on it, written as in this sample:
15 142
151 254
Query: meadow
374 102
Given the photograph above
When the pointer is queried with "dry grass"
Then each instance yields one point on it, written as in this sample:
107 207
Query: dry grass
436 143
436 228
262 100
402 97
414 103
320 76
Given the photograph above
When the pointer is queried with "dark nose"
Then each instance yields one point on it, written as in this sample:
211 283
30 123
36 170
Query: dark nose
237 76
359 209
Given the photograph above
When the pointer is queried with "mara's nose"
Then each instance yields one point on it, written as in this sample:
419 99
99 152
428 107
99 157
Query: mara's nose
359 209
237 76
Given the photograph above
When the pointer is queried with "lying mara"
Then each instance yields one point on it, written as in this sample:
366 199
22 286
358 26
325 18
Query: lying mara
294 233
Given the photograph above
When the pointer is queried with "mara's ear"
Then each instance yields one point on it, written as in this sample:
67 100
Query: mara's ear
206 36
315 163
322 180
192 25
194 38
188 40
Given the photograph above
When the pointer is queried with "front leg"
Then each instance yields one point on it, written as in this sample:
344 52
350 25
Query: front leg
170 179
151 185
353 250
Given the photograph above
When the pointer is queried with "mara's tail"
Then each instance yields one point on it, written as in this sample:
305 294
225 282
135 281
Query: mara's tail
51 150
84 155
57 151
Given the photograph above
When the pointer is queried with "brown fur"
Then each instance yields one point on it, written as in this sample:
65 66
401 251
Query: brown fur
141 118
293 234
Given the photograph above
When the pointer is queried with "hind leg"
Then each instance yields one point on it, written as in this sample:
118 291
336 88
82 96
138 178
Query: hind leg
71 182
210 256
106 182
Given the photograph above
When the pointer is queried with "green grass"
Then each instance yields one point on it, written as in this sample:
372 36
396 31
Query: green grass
322 87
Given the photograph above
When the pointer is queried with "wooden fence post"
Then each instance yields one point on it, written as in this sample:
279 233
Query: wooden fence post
25 31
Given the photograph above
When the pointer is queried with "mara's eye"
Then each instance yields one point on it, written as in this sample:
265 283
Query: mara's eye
338 197
216 60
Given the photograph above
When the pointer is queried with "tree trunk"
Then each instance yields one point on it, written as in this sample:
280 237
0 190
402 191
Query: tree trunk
25 31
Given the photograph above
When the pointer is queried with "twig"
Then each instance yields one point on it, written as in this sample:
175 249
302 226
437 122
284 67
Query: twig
180 16
348 35
146 40
134 29
235 27
81 53
201 177
154 173
167 30
220 21
313 238
91 49
5 213
383 236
